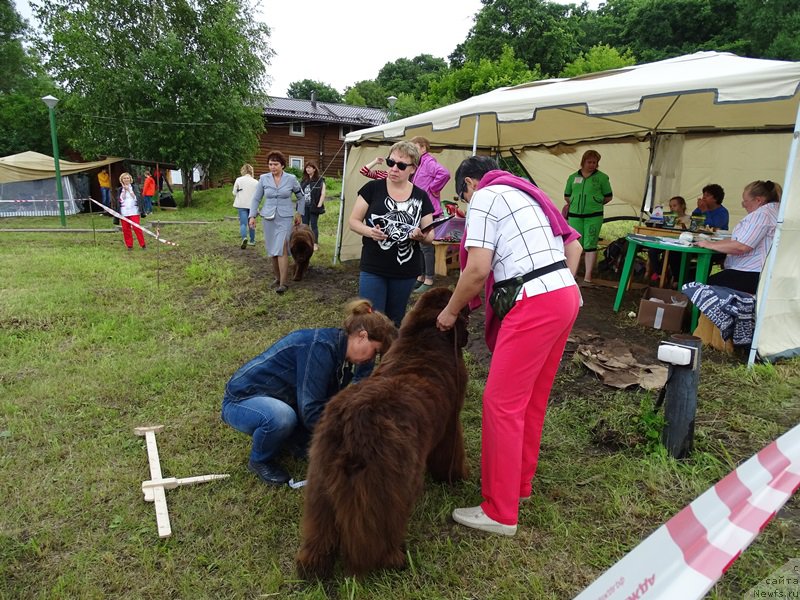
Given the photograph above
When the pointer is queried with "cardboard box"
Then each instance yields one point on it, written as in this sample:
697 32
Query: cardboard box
670 314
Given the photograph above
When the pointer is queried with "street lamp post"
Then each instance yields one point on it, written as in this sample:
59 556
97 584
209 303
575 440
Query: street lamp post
391 100
51 102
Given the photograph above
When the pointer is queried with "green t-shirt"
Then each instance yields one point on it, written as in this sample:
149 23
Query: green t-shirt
586 194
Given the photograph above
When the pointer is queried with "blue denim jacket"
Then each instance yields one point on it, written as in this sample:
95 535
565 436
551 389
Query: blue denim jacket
305 369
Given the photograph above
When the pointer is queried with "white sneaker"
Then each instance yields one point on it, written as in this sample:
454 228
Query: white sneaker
477 519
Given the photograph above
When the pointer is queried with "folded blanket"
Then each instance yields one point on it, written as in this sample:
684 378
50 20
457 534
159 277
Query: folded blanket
734 312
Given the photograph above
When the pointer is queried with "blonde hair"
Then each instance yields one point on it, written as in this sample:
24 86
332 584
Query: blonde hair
362 317
125 174
246 169
407 148
769 190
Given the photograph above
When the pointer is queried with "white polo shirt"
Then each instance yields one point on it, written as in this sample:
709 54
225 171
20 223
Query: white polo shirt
511 224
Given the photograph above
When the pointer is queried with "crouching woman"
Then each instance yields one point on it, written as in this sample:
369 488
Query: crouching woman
278 396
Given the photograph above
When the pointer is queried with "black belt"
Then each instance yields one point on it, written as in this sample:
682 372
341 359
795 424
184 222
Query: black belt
520 279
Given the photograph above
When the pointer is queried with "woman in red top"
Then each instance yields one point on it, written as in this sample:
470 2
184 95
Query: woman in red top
148 191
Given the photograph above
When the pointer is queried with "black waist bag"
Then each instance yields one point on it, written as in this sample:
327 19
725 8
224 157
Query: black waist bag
505 292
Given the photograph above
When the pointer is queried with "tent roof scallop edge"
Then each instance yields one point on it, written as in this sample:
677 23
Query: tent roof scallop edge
697 92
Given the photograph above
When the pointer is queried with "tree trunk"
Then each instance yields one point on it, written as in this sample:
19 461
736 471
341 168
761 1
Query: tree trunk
188 186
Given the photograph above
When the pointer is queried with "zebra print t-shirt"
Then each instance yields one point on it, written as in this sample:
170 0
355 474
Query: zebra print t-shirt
397 256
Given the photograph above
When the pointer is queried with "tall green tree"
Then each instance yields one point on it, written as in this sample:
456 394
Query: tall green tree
24 122
478 77
770 29
301 90
404 76
544 35
179 81
367 93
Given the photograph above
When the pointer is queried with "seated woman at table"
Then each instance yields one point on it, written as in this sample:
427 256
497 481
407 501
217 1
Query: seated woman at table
750 240
677 207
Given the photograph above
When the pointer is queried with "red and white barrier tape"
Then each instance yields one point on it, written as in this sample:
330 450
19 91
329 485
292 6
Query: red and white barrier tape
686 556
114 213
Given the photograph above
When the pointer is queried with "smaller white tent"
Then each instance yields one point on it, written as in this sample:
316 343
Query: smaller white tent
28 184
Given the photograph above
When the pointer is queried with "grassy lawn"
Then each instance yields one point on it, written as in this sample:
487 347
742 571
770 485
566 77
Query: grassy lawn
96 340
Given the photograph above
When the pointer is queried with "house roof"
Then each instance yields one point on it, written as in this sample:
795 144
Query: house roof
329 112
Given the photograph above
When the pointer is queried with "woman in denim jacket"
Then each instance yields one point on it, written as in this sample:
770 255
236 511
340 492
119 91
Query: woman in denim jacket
283 391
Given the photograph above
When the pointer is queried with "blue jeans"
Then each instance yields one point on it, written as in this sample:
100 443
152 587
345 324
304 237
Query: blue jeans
106 196
312 220
268 420
244 230
390 296
148 204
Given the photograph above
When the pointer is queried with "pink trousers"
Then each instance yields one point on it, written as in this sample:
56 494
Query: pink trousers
524 365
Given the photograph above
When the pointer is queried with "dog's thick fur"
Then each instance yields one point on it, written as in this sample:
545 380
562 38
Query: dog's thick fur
376 438
301 247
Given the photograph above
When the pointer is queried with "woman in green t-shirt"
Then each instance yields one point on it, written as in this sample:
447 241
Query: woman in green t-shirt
586 192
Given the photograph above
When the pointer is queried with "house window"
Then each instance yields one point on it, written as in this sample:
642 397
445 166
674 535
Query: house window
297 162
297 128
344 130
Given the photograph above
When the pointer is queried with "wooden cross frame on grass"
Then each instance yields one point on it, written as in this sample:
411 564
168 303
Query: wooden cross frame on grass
154 487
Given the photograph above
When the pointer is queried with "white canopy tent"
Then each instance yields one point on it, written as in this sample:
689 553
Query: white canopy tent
663 129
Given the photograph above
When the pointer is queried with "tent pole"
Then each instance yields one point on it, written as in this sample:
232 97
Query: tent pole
475 135
649 186
766 274
340 223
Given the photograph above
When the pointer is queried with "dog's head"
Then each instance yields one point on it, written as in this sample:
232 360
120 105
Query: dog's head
427 308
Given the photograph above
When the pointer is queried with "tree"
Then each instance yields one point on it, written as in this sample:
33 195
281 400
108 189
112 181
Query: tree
599 58
301 90
543 34
770 28
479 77
367 93
404 76
176 82
24 122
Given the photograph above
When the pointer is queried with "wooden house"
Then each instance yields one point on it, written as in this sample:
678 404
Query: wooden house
306 130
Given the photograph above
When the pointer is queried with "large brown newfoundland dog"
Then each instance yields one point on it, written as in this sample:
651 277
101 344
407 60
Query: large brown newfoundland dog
374 442
301 246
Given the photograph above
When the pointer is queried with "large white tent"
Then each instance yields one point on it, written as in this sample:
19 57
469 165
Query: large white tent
663 129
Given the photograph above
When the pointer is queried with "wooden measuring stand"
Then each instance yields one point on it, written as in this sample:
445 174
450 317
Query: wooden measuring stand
154 487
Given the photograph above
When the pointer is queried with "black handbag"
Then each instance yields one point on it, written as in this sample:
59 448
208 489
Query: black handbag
505 292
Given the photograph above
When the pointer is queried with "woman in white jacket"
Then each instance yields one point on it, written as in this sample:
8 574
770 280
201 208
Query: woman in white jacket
243 189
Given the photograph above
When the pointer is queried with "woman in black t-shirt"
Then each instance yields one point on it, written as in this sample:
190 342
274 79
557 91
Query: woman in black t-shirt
313 188
389 214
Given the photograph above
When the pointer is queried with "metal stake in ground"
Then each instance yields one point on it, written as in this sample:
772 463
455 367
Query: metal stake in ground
154 487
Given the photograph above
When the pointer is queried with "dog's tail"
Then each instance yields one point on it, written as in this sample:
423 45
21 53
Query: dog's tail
376 480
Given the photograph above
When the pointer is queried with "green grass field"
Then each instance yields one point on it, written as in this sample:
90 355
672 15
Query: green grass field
96 340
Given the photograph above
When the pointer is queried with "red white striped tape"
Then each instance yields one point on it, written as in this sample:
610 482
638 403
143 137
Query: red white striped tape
686 556
155 234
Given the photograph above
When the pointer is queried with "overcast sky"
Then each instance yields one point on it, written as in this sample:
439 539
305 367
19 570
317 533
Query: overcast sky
345 41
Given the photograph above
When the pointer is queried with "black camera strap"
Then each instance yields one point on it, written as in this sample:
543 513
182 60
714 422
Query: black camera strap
520 279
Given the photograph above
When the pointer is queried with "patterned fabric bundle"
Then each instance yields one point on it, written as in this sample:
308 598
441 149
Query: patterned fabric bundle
734 312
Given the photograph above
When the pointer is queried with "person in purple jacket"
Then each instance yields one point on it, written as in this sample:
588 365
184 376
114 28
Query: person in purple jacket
431 177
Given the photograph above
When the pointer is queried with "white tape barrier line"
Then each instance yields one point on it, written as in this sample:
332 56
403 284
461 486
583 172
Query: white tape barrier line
144 229
686 556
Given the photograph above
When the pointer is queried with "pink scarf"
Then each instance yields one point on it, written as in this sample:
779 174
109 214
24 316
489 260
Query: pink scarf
558 224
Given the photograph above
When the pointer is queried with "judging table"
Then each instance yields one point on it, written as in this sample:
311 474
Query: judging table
635 241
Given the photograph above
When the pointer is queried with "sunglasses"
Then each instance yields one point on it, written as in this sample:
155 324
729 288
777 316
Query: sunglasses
461 189
400 165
